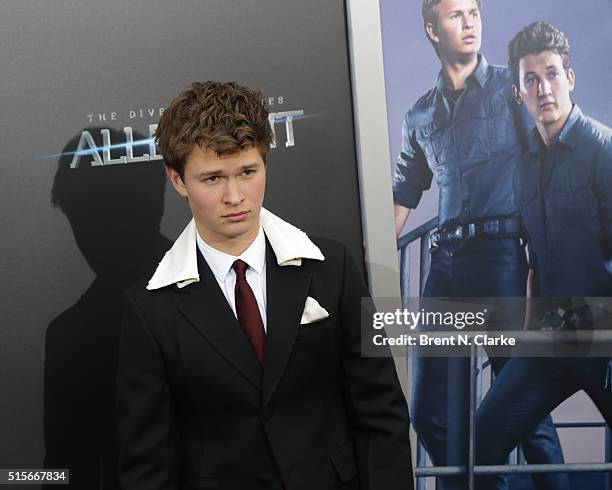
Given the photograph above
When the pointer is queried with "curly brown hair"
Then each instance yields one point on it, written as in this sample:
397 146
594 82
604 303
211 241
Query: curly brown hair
534 39
223 117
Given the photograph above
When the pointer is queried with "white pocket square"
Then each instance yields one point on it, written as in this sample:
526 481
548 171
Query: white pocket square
313 311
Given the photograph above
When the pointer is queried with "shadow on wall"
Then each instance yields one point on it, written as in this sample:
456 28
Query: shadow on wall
115 213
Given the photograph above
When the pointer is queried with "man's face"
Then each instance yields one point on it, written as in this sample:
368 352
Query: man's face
458 30
225 195
545 89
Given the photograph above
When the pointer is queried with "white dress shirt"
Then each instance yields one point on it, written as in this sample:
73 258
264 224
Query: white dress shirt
221 263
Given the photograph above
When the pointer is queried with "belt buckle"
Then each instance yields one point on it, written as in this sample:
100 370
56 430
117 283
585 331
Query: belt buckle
433 240
472 230
457 233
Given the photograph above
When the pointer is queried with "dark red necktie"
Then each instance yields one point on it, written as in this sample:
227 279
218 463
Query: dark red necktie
248 311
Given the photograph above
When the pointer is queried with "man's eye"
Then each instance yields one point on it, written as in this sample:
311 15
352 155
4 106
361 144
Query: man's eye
475 14
530 81
553 75
248 172
211 180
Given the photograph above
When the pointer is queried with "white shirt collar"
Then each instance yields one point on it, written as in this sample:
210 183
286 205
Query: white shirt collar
180 264
221 263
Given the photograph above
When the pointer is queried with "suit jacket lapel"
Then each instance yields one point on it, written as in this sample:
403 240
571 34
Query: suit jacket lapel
207 309
287 289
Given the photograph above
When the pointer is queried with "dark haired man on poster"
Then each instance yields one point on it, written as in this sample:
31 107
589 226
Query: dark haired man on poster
467 132
240 361
564 191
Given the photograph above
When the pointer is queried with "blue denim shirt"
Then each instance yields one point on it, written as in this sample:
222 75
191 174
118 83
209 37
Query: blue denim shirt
565 196
472 150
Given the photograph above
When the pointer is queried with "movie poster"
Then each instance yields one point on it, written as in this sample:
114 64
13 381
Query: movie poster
411 70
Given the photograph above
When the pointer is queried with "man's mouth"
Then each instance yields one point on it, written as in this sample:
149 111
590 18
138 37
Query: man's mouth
239 216
544 106
469 38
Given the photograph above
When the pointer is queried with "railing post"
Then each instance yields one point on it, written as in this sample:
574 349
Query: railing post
472 419
424 262
405 272
457 425
608 455
421 455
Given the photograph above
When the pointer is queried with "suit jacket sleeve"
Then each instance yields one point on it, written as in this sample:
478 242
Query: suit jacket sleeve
379 409
146 426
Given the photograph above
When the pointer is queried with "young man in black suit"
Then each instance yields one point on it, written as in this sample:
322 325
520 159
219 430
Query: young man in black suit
240 363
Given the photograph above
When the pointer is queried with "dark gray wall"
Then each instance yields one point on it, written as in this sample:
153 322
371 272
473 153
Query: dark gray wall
63 267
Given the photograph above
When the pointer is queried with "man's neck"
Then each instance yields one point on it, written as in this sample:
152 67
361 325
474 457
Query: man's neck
457 70
232 246
549 132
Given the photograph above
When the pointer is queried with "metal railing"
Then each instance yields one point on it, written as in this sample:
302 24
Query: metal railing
421 472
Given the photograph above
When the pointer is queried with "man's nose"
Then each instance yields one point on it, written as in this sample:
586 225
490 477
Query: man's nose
233 194
544 87
468 23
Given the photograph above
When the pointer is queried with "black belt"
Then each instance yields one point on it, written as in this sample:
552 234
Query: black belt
491 228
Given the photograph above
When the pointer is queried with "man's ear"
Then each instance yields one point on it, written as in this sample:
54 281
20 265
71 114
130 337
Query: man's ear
517 95
177 181
432 32
571 77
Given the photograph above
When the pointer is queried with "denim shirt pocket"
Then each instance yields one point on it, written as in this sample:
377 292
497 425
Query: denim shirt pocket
431 139
503 133
572 201
471 134
488 128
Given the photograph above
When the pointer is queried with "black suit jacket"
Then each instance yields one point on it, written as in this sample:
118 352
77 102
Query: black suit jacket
197 411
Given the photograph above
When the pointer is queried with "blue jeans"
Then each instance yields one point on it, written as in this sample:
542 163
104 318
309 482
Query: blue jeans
440 402
526 390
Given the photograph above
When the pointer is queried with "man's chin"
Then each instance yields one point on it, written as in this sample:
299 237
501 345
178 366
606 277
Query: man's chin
238 230
548 119
466 54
